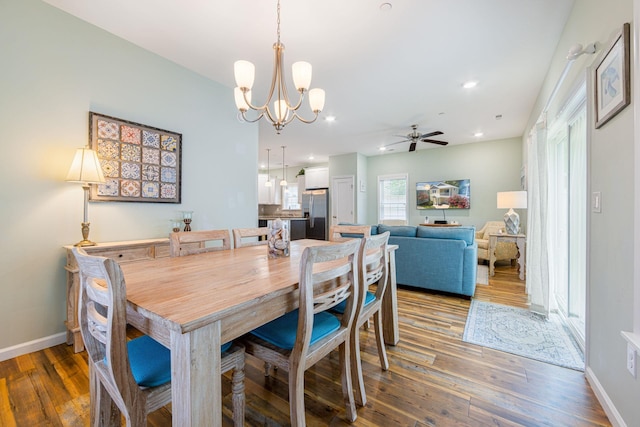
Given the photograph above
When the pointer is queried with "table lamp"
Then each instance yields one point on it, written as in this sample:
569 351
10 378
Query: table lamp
86 170
512 200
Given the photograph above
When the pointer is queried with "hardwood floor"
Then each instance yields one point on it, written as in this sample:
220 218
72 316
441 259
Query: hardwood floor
434 379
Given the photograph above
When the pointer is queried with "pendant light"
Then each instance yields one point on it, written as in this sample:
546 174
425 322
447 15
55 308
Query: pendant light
283 183
268 183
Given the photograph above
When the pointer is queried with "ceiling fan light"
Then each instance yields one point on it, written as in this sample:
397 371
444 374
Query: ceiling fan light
301 72
316 100
239 97
244 72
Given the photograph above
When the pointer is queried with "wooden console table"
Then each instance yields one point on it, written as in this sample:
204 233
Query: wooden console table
518 239
123 252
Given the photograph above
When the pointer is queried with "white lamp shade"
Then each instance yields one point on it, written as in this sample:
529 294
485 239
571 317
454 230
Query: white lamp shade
316 100
85 167
239 97
280 110
512 199
301 72
244 72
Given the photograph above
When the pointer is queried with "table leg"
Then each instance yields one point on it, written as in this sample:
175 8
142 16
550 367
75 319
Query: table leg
521 257
493 240
195 377
390 305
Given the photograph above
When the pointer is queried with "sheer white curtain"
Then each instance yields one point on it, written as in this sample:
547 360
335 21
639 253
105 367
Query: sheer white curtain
537 220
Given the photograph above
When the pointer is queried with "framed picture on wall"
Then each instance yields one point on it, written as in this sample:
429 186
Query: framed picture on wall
613 78
140 163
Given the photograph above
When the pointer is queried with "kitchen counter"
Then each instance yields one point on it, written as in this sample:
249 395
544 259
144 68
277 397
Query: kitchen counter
293 218
297 226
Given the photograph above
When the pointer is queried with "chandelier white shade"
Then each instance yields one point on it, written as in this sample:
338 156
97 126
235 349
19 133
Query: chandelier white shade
279 111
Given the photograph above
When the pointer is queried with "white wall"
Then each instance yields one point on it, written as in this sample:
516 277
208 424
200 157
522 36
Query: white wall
55 69
610 251
491 166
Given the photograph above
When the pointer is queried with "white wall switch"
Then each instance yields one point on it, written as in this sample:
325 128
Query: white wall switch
596 202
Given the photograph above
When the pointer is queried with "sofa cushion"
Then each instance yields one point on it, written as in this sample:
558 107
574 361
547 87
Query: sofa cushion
398 230
467 234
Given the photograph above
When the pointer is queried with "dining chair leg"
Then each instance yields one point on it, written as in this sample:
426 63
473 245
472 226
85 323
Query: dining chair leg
237 389
382 351
296 395
360 395
347 385
104 412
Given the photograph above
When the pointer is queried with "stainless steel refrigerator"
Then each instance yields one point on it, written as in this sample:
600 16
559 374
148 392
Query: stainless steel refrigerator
315 207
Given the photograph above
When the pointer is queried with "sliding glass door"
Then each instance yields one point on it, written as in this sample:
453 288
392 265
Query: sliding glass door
568 205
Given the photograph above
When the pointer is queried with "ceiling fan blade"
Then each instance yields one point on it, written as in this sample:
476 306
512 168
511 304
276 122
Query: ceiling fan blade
412 147
430 134
433 141
397 142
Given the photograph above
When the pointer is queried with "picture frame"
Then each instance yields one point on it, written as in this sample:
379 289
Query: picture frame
140 163
613 78
452 194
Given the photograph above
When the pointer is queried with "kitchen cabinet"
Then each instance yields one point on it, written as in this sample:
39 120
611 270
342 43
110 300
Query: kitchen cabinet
316 177
268 195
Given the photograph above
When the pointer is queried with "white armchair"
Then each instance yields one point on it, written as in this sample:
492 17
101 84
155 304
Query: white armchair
504 250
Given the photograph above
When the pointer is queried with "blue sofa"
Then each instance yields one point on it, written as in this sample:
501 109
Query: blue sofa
437 258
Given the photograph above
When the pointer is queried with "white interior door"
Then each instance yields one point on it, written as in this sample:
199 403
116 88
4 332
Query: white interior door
342 200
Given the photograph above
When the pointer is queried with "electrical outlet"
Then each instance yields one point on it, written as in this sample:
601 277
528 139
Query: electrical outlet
631 360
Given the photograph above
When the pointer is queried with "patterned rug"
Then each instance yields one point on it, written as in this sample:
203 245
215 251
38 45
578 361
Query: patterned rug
482 277
521 332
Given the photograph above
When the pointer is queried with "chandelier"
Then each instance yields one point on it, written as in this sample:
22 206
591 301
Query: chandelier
282 111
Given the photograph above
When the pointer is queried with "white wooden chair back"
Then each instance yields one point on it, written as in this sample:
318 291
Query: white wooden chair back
335 232
244 233
183 243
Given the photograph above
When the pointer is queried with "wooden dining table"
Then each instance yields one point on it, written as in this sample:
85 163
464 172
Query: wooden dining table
194 304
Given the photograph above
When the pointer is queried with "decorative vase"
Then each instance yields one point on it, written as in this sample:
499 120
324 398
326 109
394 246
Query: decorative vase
279 242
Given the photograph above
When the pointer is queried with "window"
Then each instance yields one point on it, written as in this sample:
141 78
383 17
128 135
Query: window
392 199
290 197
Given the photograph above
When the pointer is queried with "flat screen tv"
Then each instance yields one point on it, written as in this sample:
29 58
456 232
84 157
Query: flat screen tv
443 194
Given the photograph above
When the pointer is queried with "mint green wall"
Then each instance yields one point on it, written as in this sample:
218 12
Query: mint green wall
55 69
362 192
610 252
491 166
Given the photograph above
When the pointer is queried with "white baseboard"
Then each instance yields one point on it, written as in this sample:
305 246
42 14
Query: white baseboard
31 346
609 408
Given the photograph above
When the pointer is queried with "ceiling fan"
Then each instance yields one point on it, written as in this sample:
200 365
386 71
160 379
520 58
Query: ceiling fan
416 136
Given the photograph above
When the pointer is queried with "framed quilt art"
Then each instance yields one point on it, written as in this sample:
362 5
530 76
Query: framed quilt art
140 163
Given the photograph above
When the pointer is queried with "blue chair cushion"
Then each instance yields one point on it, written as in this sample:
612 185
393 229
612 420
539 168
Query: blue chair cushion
281 332
151 361
368 299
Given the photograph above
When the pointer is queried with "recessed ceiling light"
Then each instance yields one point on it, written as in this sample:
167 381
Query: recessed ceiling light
311 157
330 119
262 166
386 7
382 148
470 84
478 134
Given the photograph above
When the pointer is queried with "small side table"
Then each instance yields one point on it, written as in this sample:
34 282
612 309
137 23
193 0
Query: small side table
518 239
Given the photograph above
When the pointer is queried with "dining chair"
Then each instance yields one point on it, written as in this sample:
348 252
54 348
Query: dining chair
338 232
135 374
297 340
183 243
244 233
373 271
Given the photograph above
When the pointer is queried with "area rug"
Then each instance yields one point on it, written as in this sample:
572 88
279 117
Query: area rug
482 276
523 333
